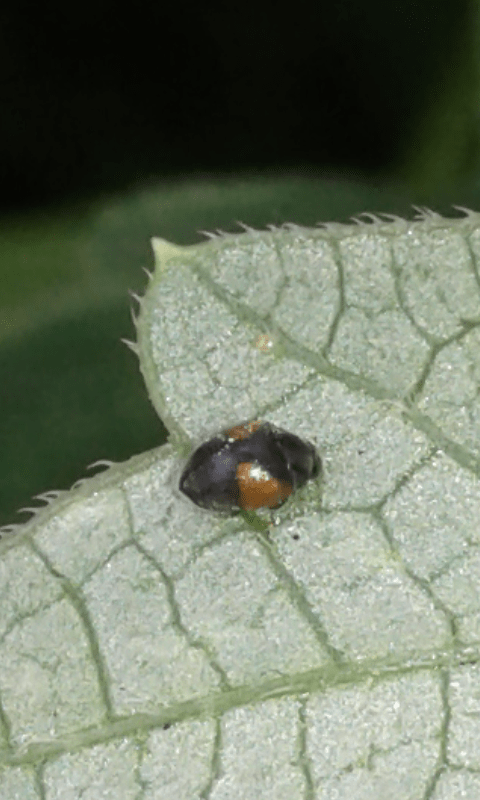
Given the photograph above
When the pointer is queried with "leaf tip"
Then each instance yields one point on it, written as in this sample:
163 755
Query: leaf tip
164 251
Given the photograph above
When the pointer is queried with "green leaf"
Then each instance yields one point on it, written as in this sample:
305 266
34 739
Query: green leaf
74 394
150 649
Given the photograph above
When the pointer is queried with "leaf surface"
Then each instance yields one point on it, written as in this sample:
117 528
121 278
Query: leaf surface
150 649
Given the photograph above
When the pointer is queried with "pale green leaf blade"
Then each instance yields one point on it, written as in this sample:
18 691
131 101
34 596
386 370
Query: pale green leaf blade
149 649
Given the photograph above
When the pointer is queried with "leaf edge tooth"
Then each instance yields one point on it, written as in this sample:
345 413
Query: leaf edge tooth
101 462
469 212
133 346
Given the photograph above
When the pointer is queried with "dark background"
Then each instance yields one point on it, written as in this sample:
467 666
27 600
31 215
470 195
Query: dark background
119 123
98 95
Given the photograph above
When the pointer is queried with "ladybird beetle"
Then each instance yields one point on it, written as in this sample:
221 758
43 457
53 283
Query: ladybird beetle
253 465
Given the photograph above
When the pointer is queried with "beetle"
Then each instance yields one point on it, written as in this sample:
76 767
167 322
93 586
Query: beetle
252 465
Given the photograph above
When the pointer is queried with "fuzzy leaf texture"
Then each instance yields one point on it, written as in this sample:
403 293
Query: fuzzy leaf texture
153 650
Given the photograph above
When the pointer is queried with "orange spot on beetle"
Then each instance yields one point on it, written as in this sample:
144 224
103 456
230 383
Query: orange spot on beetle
243 431
258 489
